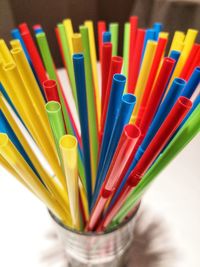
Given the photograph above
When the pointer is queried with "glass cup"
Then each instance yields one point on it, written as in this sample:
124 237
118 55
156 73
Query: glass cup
97 249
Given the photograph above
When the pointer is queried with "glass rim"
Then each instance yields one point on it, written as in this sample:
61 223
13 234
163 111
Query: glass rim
92 234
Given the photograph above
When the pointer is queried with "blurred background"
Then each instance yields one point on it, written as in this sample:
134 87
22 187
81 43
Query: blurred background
175 14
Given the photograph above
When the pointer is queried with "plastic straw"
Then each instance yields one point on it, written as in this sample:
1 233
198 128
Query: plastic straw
132 40
54 113
16 35
158 27
77 43
126 144
101 27
190 129
114 30
137 55
192 83
177 41
79 72
69 152
143 75
11 155
126 48
149 35
93 56
194 64
106 37
162 42
69 32
164 35
5 53
118 84
51 90
92 112
161 138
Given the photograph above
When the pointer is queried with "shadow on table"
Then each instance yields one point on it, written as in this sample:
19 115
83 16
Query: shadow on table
152 245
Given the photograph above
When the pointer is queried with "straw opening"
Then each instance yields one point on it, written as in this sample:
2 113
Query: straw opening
78 56
168 59
53 106
119 77
129 98
3 139
49 83
132 131
16 50
9 66
185 101
68 142
179 81
117 59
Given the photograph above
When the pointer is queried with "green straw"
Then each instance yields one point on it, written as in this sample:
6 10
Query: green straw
188 131
126 48
68 59
92 113
49 65
114 29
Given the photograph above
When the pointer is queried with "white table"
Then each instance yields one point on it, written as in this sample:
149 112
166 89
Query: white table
168 234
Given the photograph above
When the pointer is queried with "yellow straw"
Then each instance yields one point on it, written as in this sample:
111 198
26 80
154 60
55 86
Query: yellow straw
69 32
84 199
93 56
50 179
4 52
11 155
69 154
15 43
177 41
164 35
143 75
77 43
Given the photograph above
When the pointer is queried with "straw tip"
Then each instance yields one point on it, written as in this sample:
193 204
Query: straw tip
78 56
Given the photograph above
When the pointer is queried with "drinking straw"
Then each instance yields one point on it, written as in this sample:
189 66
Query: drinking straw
79 73
84 202
193 53
143 74
126 48
149 35
164 35
126 107
37 29
192 83
194 64
115 67
93 56
11 155
162 42
45 170
158 27
92 112
105 66
69 151
114 30
106 37
132 40
177 41
76 43
34 55
67 58
16 35
101 27
190 129
51 90
118 85
137 55
126 144
69 32
54 113
167 129
4 52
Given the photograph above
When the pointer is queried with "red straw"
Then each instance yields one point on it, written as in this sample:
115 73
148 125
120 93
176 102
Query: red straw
162 42
60 46
195 63
105 66
115 67
51 90
137 54
126 144
167 129
133 33
101 27
33 53
190 62
37 26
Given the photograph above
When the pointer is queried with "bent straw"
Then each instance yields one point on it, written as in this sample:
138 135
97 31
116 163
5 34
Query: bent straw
11 155
161 138
101 27
54 113
149 35
5 53
137 55
133 32
192 83
114 30
76 43
93 54
45 171
79 73
183 137
69 32
143 75
106 37
69 152
162 42
158 27
177 41
126 48
92 112
126 144
16 35
118 85
51 90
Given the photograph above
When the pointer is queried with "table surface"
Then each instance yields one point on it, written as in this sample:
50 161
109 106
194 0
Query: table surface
167 231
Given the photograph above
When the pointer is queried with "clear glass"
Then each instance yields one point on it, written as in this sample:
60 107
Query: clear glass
97 250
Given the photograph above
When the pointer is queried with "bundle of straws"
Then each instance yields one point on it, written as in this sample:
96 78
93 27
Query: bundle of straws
91 157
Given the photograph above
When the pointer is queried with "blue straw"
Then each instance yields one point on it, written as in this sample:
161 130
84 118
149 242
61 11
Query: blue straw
158 27
118 85
38 30
17 35
79 72
106 37
192 83
149 35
